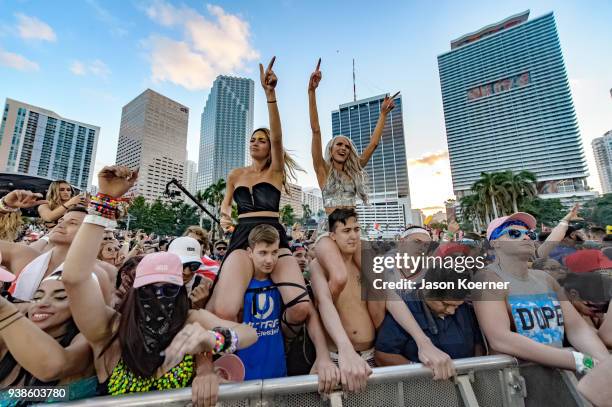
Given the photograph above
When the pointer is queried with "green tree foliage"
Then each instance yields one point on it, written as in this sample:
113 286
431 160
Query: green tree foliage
496 194
598 210
287 216
160 217
546 211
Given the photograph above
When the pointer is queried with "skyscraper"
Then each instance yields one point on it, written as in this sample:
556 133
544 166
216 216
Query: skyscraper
388 189
602 150
508 106
227 123
153 137
190 176
37 141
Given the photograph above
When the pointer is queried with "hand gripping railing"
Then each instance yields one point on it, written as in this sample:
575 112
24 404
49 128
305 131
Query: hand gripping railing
263 392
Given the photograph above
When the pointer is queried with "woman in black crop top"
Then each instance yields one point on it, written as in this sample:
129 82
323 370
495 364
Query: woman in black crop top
256 189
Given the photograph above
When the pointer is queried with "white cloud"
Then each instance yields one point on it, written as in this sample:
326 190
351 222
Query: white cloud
95 67
31 28
16 61
78 68
210 45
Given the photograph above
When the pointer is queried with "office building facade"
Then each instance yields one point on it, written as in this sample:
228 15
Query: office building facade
508 106
293 199
602 150
227 124
388 189
37 141
153 137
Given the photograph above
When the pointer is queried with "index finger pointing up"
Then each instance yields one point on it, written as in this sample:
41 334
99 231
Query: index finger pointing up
318 64
271 63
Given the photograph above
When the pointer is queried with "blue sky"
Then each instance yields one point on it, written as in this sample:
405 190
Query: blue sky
86 59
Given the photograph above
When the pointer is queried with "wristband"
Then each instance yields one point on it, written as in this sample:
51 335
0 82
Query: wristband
5 208
65 207
272 101
219 342
234 346
99 220
584 363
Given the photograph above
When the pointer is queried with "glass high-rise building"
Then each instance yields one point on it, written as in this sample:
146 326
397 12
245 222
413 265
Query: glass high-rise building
227 124
388 190
153 137
37 141
508 106
602 150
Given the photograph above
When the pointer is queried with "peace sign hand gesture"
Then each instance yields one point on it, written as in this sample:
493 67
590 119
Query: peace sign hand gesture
388 103
315 78
268 78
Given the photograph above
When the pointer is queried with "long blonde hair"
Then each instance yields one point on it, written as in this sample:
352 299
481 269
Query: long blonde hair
351 167
10 223
53 193
290 167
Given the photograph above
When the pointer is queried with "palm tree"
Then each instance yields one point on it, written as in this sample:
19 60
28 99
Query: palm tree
489 190
520 186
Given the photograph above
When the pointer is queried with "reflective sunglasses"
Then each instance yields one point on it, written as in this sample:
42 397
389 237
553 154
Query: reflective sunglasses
194 266
151 291
518 234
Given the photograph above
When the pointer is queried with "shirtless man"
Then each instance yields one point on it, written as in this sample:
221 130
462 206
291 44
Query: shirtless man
18 258
347 321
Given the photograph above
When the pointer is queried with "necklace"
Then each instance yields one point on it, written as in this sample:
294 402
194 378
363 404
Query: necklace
123 381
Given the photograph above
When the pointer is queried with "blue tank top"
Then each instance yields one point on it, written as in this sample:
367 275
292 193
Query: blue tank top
262 310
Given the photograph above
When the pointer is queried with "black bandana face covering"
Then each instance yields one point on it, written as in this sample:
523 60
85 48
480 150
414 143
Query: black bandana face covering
154 317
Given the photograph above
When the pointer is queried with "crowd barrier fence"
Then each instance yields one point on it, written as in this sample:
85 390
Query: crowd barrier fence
489 381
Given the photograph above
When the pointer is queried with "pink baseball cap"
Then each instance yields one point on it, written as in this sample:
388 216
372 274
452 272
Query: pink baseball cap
526 218
159 267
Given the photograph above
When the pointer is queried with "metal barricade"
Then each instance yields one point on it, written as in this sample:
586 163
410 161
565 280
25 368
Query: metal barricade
482 381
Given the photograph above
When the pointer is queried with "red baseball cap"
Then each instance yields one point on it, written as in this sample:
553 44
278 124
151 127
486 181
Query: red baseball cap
587 260
447 249
161 267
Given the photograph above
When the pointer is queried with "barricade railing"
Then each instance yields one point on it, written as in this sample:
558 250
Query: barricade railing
487 381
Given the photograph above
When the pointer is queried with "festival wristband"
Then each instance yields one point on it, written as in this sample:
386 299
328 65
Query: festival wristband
99 220
584 363
5 208
219 342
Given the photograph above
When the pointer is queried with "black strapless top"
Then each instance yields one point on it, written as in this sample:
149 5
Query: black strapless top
262 197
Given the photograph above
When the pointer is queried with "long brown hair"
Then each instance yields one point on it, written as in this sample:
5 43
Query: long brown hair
131 338
53 194
290 167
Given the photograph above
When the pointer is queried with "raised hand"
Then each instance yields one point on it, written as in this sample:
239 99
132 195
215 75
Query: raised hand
388 104
268 78
573 213
315 78
115 180
21 199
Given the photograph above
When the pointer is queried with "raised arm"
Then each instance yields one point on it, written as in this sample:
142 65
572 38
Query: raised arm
558 233
39 353
387 106
89 310
268 82
316 148
51 215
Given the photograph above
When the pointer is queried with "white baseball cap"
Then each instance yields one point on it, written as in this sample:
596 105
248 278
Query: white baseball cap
187 248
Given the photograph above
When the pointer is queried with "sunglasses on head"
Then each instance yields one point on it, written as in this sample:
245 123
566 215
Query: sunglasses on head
151 291
518 234
195 266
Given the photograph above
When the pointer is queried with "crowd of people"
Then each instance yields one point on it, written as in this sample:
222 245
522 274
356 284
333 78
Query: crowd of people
108 312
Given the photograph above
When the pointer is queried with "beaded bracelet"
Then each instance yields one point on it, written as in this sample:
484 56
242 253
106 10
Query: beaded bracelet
5 208
234 346
219 342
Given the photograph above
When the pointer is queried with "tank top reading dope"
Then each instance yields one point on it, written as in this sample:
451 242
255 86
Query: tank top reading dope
534 305
262 310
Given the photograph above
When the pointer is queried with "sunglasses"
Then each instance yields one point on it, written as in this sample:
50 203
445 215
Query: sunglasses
518 234
151 292
221 248
195 266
